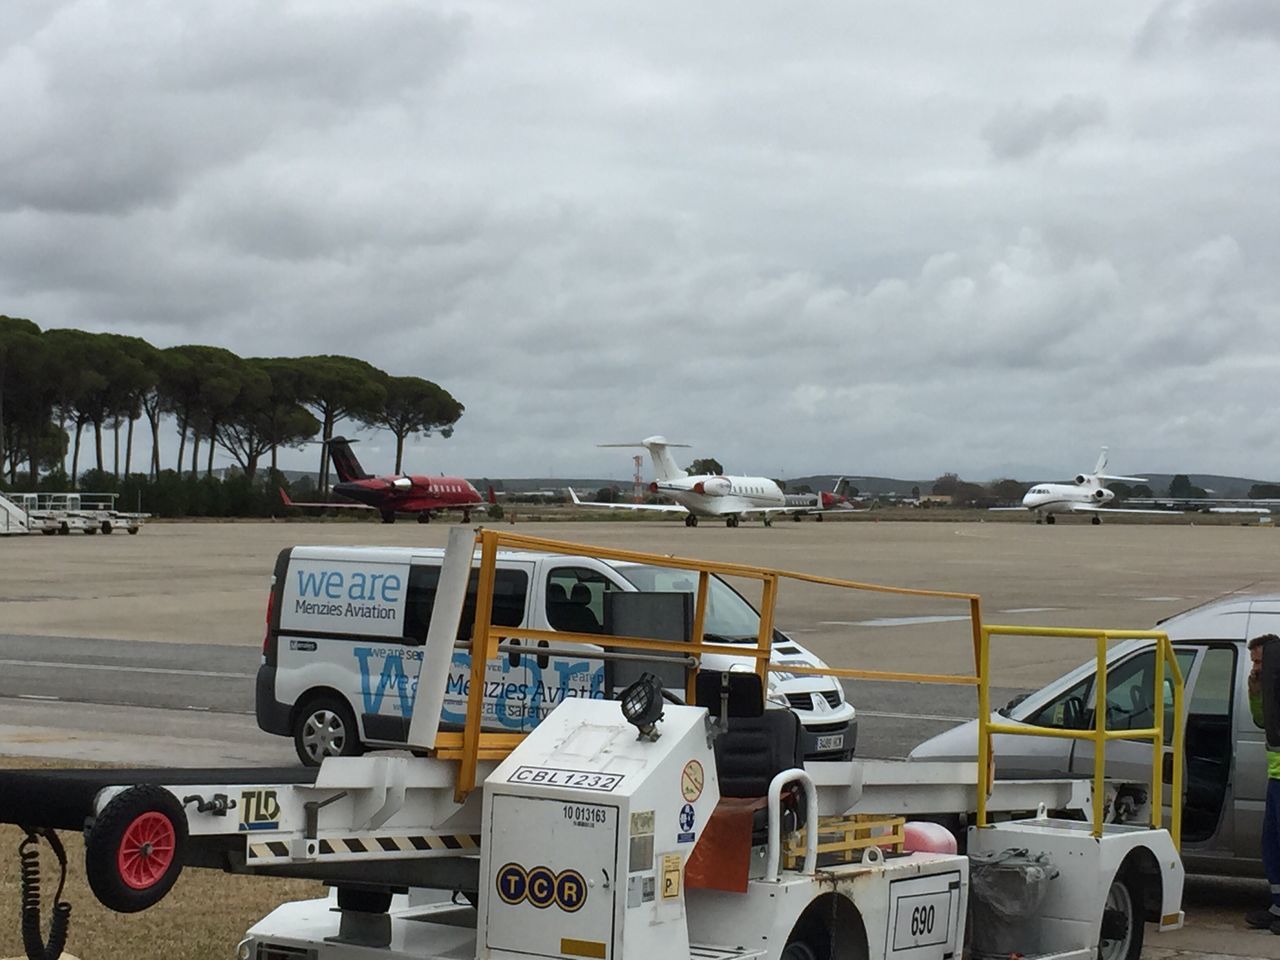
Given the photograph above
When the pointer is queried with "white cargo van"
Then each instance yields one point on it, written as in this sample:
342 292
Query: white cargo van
345 626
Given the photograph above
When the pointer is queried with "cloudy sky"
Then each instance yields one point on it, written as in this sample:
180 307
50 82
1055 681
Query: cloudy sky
890 239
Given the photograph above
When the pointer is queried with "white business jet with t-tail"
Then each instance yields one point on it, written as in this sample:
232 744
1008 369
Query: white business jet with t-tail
704 495
1087 494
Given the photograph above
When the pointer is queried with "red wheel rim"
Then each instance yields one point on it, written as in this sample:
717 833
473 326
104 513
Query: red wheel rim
146 850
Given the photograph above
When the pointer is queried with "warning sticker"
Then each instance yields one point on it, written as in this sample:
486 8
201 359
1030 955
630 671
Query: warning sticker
691 781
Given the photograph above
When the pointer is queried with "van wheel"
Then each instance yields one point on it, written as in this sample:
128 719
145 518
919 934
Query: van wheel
106 526
325 727
1122 921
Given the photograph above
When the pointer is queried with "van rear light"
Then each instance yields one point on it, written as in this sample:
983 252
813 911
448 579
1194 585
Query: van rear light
271 607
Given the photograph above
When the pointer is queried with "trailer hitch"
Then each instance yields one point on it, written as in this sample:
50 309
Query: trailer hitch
218 806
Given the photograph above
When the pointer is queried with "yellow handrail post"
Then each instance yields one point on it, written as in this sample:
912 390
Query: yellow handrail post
479 664
768 602
699 626
1100 736
984 721
1157 743
975 623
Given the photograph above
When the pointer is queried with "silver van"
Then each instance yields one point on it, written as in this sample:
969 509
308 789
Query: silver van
345 627
1225 760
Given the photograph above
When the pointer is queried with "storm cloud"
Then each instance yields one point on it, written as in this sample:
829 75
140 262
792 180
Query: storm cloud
898 239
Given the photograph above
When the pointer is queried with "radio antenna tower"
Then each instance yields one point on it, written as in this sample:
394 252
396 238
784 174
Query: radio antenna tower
637 490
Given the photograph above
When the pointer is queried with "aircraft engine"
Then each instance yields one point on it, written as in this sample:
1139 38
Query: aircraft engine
715 487
1102 495
402 483
653 487
1081 479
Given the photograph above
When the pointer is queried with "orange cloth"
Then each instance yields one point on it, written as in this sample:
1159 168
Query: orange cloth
721 859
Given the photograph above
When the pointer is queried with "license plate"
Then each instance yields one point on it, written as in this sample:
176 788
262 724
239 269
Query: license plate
833 742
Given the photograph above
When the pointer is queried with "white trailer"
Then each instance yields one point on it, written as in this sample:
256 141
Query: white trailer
615 830
89 513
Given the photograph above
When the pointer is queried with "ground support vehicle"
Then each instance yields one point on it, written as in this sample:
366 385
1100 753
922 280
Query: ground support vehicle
344 624
620 829
13 519
1224 750
90 513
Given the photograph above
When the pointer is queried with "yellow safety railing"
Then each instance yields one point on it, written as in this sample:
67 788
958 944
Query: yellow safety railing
1099 735
473 744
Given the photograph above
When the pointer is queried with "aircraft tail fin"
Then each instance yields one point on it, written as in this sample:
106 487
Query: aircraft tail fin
284 497
493 497
1102 465
664 465
344 460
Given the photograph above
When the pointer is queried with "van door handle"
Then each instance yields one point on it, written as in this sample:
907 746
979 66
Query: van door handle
544 661
513 658
1167 767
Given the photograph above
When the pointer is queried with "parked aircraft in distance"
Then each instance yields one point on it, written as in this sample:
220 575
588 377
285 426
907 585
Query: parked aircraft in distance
824 501
1088 494
704 495
390 495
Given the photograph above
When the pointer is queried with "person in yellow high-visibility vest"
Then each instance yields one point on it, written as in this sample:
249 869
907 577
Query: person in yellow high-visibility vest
1264 704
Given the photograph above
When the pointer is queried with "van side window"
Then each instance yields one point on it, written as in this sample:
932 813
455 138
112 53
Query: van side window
510 592
575 599
1067 711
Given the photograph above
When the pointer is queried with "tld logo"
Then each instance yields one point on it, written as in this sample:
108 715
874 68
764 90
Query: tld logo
259 810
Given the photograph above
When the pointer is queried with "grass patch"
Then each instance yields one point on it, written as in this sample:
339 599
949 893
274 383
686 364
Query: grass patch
202 918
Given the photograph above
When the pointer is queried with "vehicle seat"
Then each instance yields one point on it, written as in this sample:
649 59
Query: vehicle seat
571 614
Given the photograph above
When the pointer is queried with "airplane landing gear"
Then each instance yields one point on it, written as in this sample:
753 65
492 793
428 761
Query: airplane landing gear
466 516
424 516
388 516
1039 519
768 520
731 521
796 517
1097 520
817 518
1051 519
691 520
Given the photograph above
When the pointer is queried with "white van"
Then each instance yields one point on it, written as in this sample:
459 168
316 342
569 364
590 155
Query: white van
345 625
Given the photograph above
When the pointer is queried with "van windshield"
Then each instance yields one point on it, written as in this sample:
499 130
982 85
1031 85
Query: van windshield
729 616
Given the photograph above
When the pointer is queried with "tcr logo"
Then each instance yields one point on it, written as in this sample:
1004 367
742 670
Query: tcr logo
542 887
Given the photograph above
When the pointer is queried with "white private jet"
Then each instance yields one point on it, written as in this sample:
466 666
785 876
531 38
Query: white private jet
705 495
1088 494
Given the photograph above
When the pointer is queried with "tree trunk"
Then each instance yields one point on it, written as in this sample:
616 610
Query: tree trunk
35 460
128 448
251 466
323 477
213 433
75 457
154 421
195 451
274 470
115 453
182 442
399 450
97 445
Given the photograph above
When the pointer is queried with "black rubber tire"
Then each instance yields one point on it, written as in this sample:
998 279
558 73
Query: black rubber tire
133 531
106 527
424 516
102 846
90 530
364 900
337 707
799 950
63 530
388 516
1131 883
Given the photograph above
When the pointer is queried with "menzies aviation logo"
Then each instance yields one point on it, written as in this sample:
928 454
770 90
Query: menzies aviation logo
357 594
515 697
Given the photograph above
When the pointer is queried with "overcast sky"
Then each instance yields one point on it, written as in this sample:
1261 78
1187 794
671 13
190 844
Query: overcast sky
889 239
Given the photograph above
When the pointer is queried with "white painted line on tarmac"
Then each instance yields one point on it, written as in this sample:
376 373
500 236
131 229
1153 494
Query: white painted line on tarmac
912 716
112 668
36 696
1031 609
890 621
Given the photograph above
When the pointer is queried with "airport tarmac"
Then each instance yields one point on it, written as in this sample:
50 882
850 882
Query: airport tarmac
75 681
